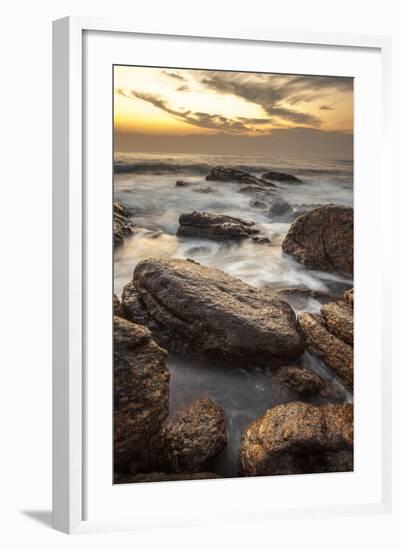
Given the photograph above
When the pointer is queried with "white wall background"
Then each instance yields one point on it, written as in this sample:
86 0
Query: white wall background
25 399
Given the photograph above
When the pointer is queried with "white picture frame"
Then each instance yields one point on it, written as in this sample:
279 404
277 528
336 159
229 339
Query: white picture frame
70 261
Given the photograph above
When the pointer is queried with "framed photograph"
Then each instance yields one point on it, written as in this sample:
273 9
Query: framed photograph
218 196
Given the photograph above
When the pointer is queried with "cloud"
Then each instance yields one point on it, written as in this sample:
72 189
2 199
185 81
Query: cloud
198 118
183 88
326 108
280 96
174 75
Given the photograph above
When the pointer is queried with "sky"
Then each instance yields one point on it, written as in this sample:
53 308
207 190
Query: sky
222 112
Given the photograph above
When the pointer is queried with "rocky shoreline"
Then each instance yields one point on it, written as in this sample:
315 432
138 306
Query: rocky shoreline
181 306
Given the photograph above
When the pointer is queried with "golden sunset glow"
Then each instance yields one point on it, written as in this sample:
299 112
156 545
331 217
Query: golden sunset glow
173 101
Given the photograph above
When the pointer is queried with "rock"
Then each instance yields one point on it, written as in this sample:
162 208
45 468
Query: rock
214 226
298 438
301 381
191 440
261 239
140 391
161 476
117 308
323 239
220 173
203 190
255 203
280 209
215 315
339 319
121 223
281 176
349 297
182 183
303 293
252 189
329 348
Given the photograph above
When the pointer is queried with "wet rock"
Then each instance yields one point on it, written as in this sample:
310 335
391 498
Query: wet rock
140 391
339 320
211 314
303 293
252 189
280 210
323 239
220 173
117 308
301 381
122 225
298 438
333 351
255 203
261 239
203 190
281 176
161 476
182 183
349 297
191 440
214 226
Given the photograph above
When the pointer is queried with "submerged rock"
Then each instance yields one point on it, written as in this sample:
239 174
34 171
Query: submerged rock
191 440
220 173
140 391
323 239
280 210
182 183
339 320
281 176
301 381
298 438
203 190
205 225
121 223
261 239
120 478
255 203
333 351
209 313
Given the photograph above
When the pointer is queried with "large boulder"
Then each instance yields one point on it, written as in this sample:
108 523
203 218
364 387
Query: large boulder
140 391
339 320
215 315
191 440
231 175
334 352
323 239
214 226
281 176
122 225
298 438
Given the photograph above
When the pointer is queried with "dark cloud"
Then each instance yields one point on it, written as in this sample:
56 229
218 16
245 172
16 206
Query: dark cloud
174 75
197 118
183 88
279 96
326 108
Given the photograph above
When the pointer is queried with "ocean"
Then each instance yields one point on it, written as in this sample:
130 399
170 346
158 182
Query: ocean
145 185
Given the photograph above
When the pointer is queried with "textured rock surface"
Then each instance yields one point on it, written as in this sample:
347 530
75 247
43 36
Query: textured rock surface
349 297
214 314
140 390
191 440
214 226
339 319
280 176
301 381
117 307
333 351
220 173
323 239
298 438
121 224
161 476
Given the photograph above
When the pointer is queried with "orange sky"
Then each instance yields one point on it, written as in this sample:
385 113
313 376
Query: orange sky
183 101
